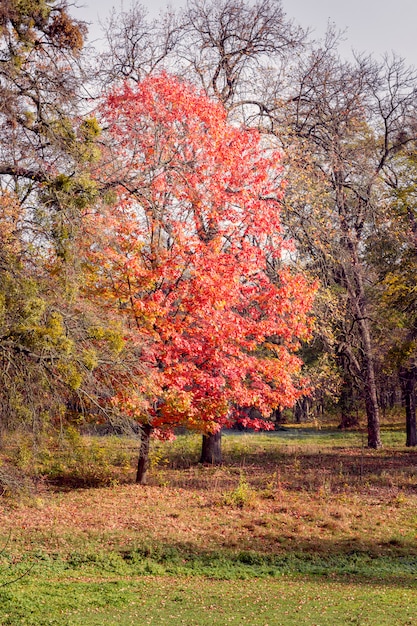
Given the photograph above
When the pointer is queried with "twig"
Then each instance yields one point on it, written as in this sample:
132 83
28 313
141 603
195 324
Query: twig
10 582
14 580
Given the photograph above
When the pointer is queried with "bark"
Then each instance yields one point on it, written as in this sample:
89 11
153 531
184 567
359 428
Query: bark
8 169
408 381
371 398
143 460
356 291
278 418
297 412
211 451
365 369
302 410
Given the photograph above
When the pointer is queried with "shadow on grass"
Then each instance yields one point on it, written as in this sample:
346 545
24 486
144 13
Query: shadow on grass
336 470
303 457
181 559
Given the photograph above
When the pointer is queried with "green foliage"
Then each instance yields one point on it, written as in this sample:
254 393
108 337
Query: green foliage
32 336
29 17
393 254
79 461
68 459
110 334
90 128
242 496
53 343
39 350
63 199
28 14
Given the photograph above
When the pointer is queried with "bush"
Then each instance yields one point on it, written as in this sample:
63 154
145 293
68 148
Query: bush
65 459
85 461
242 496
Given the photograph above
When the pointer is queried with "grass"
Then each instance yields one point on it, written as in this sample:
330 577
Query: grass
302 526
199 601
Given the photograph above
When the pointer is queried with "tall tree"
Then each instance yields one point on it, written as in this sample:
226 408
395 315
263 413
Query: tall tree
345 122
56 348
340 125
39 84
394 255
184 254
227 45
233 50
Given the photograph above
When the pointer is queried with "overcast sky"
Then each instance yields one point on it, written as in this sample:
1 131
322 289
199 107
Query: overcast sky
373 26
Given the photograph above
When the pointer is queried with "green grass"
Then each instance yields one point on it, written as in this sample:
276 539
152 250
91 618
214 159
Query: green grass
302 526
171 586
221 565
288 600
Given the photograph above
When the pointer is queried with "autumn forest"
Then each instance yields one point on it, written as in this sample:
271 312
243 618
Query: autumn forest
207 222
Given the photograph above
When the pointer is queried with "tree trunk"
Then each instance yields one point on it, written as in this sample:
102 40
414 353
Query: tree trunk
143 460
357 297
371 397
211 450
297 412
408 381
278 418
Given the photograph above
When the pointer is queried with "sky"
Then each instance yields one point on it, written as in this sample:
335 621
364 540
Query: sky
371 26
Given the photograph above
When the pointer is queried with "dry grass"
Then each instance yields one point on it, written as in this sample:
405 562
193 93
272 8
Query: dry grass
301 528
270 498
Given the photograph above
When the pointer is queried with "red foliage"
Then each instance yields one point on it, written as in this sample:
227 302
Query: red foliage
183 252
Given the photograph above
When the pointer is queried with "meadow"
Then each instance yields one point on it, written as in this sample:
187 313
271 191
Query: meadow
302 526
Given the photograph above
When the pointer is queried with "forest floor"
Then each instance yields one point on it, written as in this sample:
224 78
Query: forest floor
302 526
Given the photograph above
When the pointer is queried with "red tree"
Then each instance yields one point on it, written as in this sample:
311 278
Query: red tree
185 251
